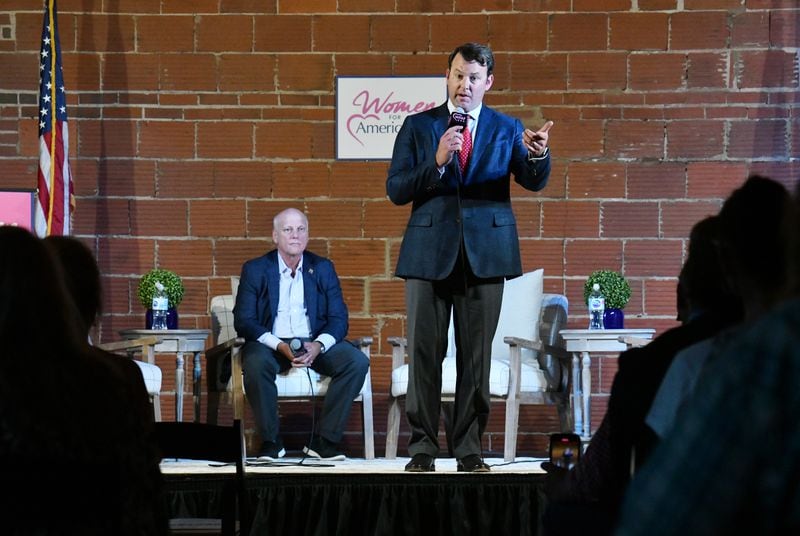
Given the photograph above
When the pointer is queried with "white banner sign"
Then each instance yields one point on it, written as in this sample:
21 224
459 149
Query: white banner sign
371 110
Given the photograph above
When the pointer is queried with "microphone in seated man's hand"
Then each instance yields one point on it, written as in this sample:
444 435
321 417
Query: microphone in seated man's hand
297 347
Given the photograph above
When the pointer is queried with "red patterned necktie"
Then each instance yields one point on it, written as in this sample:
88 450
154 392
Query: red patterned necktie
466 148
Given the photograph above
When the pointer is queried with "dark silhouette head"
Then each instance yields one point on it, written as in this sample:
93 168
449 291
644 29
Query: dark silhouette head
81 275
755 242
35 310
703 284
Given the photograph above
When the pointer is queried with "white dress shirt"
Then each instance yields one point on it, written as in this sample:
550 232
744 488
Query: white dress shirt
292 318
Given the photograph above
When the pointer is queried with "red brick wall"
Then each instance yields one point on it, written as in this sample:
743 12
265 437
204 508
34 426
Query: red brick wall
191 123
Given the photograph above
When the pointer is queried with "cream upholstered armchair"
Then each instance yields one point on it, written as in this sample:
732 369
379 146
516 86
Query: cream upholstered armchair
529 362
292 385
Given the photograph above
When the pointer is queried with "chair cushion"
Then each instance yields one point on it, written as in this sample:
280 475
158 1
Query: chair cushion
520 313
533 379
151 375
519 317
295 382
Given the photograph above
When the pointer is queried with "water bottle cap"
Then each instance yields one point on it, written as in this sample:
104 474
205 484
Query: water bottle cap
596 286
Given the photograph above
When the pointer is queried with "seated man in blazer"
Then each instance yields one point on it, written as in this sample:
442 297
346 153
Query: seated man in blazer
454 163
287 296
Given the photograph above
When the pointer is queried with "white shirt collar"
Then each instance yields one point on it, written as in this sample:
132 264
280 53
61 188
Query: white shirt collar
283 267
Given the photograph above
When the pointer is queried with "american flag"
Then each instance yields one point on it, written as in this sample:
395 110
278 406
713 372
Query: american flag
55 200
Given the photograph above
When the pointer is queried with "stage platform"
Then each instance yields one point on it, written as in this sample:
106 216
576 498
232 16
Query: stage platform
372 497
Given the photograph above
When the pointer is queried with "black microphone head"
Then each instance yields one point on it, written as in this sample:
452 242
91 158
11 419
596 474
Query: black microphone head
458 118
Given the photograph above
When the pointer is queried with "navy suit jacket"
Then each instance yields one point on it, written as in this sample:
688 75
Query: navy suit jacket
483 208
259 291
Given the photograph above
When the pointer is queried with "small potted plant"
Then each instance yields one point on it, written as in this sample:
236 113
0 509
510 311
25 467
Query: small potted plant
173 286
616 291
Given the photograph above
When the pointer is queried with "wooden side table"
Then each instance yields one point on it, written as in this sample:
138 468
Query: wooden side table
581 342
178 342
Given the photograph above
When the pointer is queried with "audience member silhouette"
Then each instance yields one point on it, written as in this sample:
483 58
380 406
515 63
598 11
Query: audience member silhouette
71 461
587 498
83 284
731 464
754 250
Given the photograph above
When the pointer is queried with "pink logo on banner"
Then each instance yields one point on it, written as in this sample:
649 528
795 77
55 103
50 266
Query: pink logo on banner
379 109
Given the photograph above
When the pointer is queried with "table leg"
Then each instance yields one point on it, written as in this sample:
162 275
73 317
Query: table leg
586 376
196 386
577 404
179 386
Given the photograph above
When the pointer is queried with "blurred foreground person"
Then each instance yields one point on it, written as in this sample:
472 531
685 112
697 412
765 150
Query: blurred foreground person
68 458
731 464
588 497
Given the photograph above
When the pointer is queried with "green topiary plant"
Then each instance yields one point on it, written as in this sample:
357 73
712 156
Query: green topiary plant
613 286
173 286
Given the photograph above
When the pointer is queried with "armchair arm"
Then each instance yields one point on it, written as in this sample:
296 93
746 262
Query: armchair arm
224 348
542 351
129 344
219 363
224 363
145 345
633 342
525 343
364 344
398 351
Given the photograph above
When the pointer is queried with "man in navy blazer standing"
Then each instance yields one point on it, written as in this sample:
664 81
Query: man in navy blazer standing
460 244
287 294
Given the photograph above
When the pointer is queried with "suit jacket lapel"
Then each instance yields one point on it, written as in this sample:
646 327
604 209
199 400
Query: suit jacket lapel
310 291
442 118
273 284
482 138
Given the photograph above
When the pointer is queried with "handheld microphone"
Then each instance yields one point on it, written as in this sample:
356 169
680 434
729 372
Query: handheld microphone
458 119
297 347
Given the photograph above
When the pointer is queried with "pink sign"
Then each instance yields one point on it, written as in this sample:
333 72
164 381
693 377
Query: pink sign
371 110
16 208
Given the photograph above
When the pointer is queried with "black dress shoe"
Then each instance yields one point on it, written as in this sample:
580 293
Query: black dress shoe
472 463
421 463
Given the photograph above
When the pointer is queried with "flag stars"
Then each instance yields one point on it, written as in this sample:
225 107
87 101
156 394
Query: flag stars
52 108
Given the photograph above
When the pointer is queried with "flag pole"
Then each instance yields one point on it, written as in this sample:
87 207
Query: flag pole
53 118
